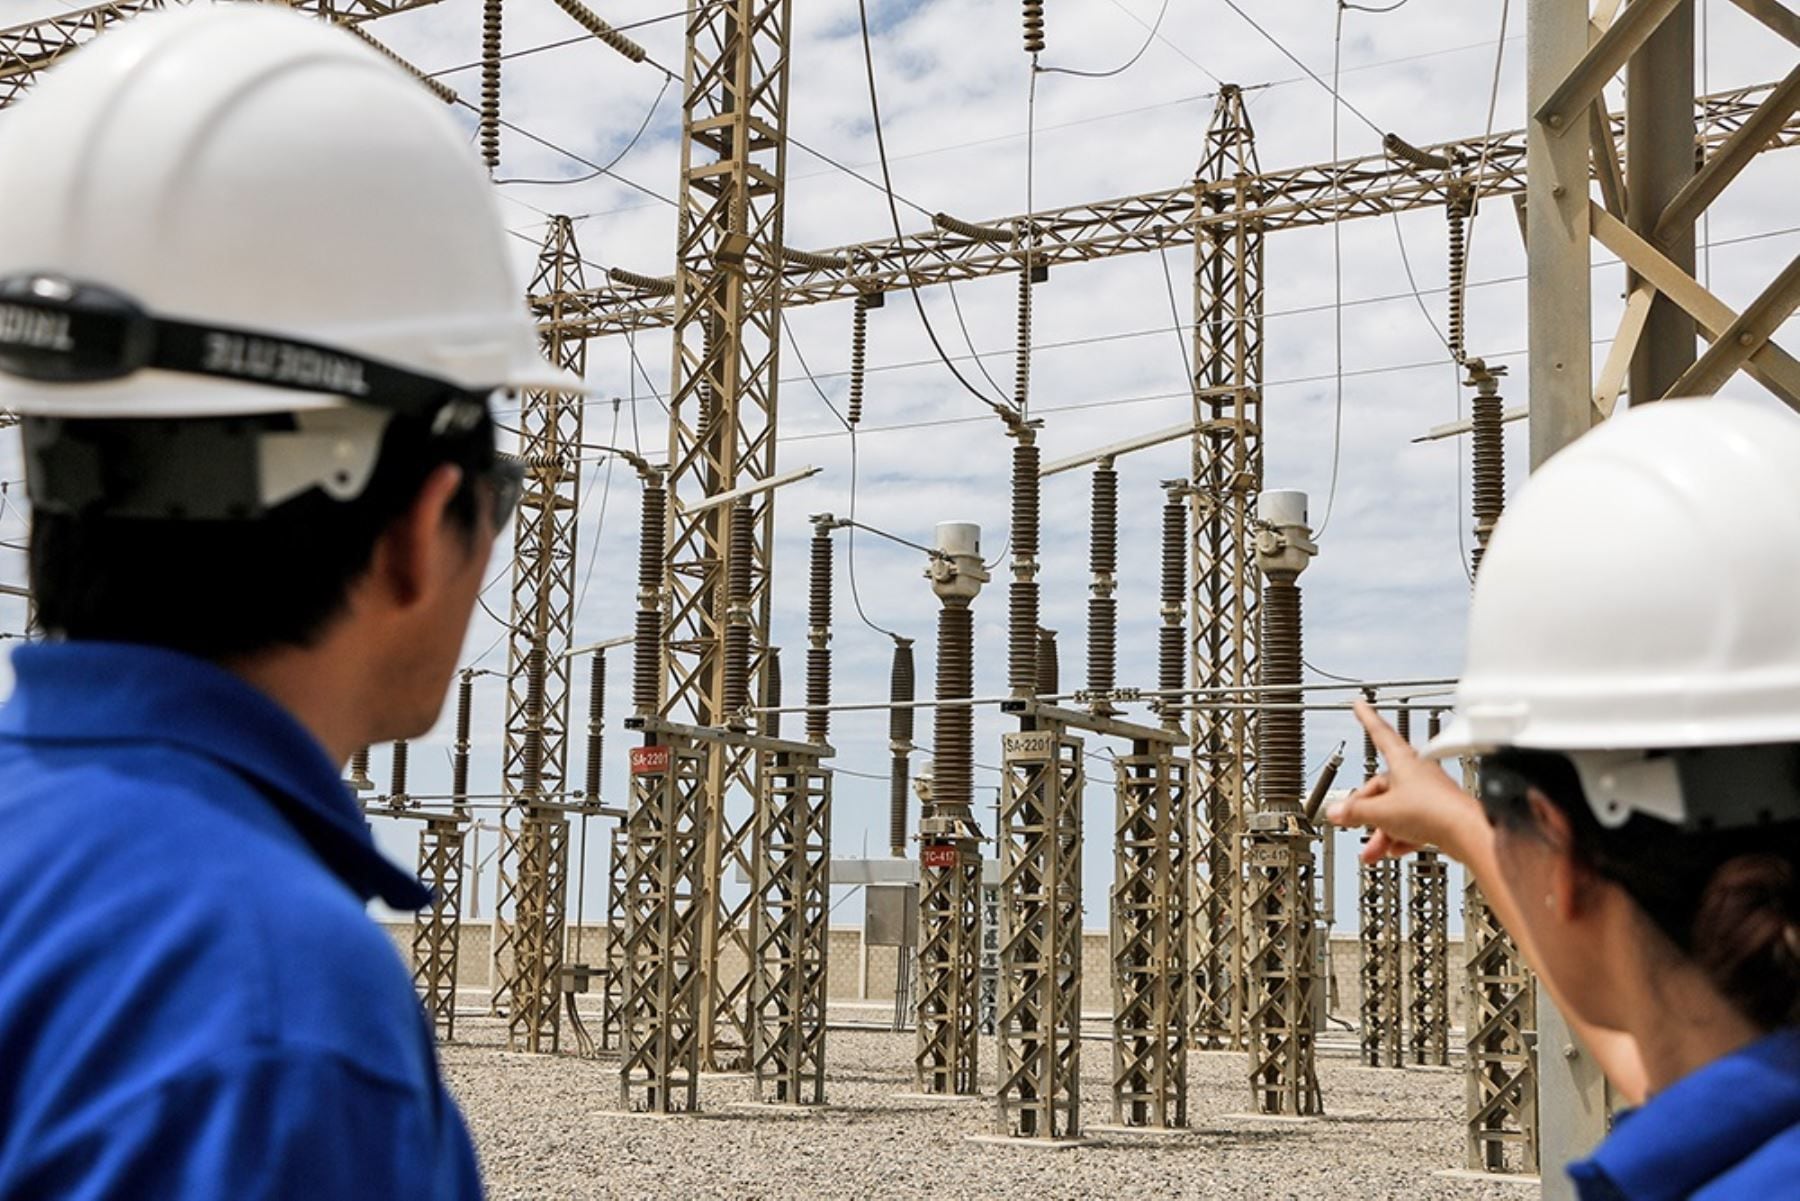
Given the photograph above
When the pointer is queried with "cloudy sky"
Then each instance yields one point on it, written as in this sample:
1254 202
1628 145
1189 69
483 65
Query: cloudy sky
1387 595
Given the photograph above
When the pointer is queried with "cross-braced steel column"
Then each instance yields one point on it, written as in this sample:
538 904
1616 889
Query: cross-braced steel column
1380 910
537 696
1227 474
660 993
949 976
437 931
1149 950
1283 973
1040 934
1428 933
722 437
792 882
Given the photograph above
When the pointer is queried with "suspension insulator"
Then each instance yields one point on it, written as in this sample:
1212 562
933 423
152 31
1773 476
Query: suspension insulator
953 726
771 693
1022 594
1049 669
1022 347
1403 722
1103 560
531 750
359 770
1458 211
1280 729
859 347
739 564
459 756
1488 447
902 691
1434 724
1034 26
596 728
1172 643
646 657
1371 761
490 84
818 637
397 784
611 37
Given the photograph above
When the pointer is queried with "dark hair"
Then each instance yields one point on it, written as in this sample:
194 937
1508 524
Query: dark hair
228 588
1729 899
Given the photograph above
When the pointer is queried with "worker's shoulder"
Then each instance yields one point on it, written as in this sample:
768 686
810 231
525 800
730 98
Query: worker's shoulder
1770 1171
161 889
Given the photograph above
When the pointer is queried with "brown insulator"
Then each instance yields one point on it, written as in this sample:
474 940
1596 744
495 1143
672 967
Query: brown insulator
1434 724
818 637
1458 211
646 656
397 784
1049 666
1398 147
1171 638
459 755
968 229
1488 447
490 84
596 730
953 726
656 285
859 348
1403 722
814 261
1022 594
1022 347
1371 761
531 750
359 770
740 562
601 30
1103 560
1034 26
1280 729
771 693
437 88
902 691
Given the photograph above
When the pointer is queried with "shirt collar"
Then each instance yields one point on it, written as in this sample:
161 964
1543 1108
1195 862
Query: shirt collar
101 692
1699 1127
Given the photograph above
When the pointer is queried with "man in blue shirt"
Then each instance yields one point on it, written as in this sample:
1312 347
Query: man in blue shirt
254 299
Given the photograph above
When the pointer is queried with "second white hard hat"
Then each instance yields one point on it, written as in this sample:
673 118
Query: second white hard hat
1640 592
245 167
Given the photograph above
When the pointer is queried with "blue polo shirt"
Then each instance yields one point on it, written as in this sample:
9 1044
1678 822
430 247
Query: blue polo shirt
1728 1132
193 1001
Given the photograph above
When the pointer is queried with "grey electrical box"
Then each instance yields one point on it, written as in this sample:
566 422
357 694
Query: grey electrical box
891 915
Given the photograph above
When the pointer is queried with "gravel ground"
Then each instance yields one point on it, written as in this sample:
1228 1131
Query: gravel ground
547 1126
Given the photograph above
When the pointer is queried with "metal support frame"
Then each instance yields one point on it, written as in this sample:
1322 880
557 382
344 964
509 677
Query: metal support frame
1379 909
535 758
1428 915
949 958
725 305
792 886
1040 933
1149 942
1502 1062
660 989
1282 973
437 929
1227 474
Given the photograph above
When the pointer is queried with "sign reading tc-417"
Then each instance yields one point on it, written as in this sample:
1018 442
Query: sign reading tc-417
937 854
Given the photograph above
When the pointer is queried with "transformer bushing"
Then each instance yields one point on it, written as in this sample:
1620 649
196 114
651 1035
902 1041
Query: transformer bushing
1428 932
1379 907
1282 973
791 876
1502 997
949 963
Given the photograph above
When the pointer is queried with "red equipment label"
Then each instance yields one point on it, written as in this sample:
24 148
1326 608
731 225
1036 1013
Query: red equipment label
937 855
650 760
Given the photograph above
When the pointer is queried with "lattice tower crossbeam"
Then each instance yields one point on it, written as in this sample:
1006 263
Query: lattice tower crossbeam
1039 1027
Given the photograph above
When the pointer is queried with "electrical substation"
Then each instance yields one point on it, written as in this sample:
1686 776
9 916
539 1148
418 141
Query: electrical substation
702 943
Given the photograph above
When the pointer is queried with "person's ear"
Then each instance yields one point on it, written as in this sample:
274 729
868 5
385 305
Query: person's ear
1567 881
408 555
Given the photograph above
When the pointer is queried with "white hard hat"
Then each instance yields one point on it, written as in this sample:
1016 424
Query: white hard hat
1639 596
239 172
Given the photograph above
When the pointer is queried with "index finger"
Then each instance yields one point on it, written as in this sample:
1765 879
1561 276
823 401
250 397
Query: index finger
1387 740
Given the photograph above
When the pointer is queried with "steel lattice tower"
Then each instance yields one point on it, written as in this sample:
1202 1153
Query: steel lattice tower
1227 474
722 436
437 931
1379 906
1428 934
